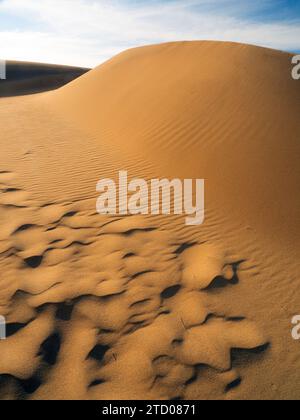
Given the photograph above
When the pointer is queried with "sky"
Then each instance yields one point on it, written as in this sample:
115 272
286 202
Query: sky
88 32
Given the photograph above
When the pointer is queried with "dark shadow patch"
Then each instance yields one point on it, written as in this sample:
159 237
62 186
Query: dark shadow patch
170 292
164 312
23 228
31 78
96 383
64 311
134 231
50 348
138 324
70 214
77 243
55 241
182 248
179 398
236 319
13 328
210 317
129 255
19 388
8 190
34 262
106 331
240 357
9 388
30 385
98 352
220 283
192 379
234 384
177 343
13 206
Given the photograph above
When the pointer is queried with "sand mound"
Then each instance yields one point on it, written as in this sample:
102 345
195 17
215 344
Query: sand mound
224 112
140 306
28 78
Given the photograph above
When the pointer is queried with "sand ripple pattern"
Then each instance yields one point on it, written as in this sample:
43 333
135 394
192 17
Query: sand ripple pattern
111 308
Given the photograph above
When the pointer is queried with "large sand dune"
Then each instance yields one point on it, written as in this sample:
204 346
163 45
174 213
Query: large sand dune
141 306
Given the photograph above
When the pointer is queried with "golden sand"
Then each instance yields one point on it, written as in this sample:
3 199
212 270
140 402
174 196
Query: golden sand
144 307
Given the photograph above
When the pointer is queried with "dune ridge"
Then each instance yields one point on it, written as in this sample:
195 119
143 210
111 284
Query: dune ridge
141 306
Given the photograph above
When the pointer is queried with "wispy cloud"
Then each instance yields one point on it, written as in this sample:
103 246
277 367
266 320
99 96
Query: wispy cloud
87 32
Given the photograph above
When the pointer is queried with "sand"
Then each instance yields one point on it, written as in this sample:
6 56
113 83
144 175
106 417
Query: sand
144 307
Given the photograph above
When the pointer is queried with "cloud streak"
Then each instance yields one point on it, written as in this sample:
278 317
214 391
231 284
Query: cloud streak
87 32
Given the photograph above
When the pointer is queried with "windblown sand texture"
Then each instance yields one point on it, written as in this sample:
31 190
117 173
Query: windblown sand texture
144 307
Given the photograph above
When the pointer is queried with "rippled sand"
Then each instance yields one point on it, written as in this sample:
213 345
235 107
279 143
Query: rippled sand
144 307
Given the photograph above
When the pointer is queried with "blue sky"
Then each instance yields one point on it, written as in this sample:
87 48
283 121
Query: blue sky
88 32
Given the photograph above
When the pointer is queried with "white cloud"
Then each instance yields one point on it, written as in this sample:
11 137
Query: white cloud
87 32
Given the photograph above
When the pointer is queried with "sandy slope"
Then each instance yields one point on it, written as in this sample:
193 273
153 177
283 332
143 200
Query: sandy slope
145 307
25 78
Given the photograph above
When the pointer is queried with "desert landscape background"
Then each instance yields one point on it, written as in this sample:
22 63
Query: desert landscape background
29 78
143 307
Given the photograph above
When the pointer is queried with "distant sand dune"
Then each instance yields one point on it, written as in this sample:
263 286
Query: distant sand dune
28 78
146 307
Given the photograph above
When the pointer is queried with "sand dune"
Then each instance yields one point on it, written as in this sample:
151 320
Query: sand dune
145 307
28 78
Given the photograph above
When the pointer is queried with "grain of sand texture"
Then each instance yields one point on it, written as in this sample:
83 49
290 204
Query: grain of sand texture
144 307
